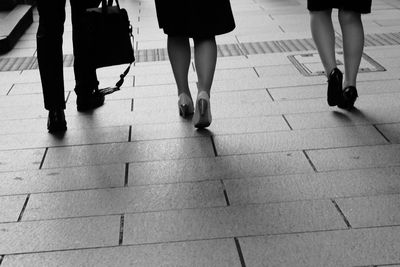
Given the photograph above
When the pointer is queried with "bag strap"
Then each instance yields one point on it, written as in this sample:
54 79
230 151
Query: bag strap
117 87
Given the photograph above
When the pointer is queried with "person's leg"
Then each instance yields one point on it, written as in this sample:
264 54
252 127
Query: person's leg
179 57
85 72
353 44
49 52
323 35
205 54
205 58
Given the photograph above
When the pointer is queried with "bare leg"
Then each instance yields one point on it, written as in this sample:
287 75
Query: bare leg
179 57
205 55
353 44
324 37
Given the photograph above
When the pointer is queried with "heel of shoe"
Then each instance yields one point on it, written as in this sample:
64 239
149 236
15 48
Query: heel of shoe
185 105
202 116
184 110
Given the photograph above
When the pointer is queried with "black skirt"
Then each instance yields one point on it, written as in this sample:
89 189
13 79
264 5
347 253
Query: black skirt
363 6
195 18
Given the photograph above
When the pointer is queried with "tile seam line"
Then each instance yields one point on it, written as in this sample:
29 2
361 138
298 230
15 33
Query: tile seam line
207 239
335 197
201 208
123 187
107 143
227 238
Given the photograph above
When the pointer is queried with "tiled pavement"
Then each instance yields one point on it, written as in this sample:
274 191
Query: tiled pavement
279 179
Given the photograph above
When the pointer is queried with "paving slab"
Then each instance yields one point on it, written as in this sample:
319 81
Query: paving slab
355 247
138 199
319 91
11 207
355 157
391 132
39 236
371 210
217 168
297 140
231 222
27 159
128 152
326 185
64 179
219 126
218 253
70 138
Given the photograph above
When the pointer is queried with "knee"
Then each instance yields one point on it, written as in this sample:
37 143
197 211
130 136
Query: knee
349 17
204 39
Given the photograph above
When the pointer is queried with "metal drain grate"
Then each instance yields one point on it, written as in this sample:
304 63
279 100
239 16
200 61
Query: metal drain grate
224 50
310 64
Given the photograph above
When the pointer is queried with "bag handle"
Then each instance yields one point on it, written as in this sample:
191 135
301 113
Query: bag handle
105 4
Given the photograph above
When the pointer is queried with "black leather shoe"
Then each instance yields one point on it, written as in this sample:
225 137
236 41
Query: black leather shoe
85 102
349 96
335 80
56 121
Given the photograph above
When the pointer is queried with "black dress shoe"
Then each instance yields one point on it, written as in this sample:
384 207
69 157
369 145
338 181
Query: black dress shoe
335 80
56 121
349 96
85 102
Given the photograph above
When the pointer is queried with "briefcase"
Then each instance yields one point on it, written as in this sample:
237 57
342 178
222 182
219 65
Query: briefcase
109 37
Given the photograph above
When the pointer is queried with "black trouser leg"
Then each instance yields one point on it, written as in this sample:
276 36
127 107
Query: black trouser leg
85 73
49 51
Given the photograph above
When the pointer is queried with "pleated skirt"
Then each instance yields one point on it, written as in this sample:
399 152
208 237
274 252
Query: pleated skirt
362 6
195 18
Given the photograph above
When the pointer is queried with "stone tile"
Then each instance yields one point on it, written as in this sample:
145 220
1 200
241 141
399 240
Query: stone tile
227 167
13 160
372 210
36 88
109 107
391 131
275 59
71 137
297 140
124 200
230 222
52 180
216 253
280 70
355 157
21 100
339 184
319 91
219 126
38 236
128 152
11 207
361 247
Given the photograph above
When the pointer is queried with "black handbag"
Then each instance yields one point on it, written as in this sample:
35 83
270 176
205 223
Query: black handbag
109 39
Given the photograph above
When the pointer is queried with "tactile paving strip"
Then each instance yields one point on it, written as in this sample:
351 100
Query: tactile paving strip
224 50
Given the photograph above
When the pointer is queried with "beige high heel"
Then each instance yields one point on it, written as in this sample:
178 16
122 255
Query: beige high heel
185 105
202 116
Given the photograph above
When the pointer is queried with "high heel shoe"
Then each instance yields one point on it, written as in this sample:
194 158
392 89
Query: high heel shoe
185 105
202 115
349 96
335 80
